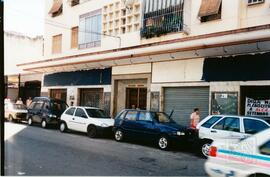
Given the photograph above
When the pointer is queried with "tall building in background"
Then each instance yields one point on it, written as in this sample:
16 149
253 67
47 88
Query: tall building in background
161 55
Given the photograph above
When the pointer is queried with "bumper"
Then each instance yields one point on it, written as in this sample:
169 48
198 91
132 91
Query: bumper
20 116
105 130
53 121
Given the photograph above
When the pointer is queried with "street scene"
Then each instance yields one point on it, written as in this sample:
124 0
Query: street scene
137 87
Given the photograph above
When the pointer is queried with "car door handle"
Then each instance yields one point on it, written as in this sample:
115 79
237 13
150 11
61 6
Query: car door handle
73 118
213 131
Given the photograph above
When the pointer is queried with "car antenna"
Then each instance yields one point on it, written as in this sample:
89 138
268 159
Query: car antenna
171 113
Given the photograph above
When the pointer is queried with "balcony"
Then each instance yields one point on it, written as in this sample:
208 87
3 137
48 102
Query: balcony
163 21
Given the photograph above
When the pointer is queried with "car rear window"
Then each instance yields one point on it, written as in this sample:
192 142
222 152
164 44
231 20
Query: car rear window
254 126
211 121
96 113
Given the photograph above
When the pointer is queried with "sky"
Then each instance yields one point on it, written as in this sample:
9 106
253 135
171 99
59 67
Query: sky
24 16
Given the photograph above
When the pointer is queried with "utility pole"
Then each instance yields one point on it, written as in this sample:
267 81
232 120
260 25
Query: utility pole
2 87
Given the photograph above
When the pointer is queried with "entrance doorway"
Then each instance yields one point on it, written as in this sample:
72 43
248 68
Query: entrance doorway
92 97
136 98
59 94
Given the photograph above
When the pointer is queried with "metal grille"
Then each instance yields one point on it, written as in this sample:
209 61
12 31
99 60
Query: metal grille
184 100
162 17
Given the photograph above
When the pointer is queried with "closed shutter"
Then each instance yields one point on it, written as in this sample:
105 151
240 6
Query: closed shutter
184 100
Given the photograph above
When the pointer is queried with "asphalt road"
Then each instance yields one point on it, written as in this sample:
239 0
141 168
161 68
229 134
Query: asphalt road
36 151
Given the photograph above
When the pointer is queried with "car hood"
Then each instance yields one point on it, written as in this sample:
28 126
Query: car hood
173 126
108 122
19 110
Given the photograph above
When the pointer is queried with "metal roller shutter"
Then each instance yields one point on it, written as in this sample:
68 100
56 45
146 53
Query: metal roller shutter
183 100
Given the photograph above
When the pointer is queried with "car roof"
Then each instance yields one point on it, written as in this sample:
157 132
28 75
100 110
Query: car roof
84 107
228 115
47 99
139 110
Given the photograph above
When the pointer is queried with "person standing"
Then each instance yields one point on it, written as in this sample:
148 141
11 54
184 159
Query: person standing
19 101
28 102
195 118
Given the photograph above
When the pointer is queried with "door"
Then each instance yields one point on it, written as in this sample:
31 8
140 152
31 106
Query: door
37 111
91 97
136 98
146 126
80 120
183 100
68 118
226 128
129 124
60 94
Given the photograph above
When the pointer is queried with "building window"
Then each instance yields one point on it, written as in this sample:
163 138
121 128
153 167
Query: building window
74 2
162 17
57 44
224 103
90 30
252 2
74 37
210 10
57 8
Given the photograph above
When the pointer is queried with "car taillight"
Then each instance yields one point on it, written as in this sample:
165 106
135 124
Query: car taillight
213 151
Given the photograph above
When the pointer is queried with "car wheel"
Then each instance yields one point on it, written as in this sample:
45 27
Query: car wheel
118 135
10 118
43 124
63 127
163 142
259 175
92 131
205 147
30 121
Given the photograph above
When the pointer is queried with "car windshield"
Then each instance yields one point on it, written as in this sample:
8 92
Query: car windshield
161 117
58 106
97 113
19 106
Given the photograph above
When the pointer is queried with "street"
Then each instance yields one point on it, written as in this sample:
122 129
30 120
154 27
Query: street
36 151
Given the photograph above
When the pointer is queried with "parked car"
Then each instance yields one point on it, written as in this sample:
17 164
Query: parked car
44 110
216 127
149 125
247 158
15 112
93 121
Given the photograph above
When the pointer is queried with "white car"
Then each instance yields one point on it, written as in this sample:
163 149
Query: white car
247 158
93 121
216 127
15 112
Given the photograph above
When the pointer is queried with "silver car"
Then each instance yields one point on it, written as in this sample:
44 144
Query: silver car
15 112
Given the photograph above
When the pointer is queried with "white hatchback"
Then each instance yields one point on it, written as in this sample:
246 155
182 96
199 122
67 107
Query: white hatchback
93 121
246 158
216 127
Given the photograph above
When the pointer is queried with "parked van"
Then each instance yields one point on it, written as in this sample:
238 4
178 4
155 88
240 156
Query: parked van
44 110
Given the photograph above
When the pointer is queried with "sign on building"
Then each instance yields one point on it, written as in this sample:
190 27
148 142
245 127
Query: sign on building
257 107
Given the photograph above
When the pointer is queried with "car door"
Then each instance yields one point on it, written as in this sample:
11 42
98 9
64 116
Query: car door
80 120
253 126
146 126
264 151
129 124
68 116
226 128
37 111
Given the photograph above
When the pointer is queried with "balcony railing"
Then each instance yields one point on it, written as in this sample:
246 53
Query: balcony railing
162 21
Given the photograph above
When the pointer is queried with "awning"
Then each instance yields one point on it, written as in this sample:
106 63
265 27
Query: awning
56 6
209 7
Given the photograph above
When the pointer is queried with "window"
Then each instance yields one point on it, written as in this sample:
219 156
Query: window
57 8
211 121
131 115
225 103
252 2
46 105
90 30
57 106
229 124
57 44
75 2
80 113
96 113
70 111
145 116
38 105
265 149
74 37
32 105
254 126
210 10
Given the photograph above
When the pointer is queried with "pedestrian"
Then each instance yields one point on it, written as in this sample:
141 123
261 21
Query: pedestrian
28 102
71 103
19 101
195 118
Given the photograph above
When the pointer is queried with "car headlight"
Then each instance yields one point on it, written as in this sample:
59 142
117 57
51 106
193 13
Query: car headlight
180 133
104 125
52 116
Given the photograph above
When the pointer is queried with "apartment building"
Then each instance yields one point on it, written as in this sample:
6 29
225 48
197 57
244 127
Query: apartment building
161 55
21 48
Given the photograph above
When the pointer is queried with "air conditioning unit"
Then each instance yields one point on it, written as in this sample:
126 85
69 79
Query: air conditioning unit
252 2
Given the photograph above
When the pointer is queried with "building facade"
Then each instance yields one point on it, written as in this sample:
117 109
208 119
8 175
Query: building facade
20 48
161 55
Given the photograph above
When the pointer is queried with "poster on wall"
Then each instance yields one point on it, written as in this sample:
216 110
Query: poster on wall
257 107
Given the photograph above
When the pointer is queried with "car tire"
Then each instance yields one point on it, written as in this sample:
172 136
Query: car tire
92 131
119 135
30 121
163 142
43 123
204 148
259 175
63 127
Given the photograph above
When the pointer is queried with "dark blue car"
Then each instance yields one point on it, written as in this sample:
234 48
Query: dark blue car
150 125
